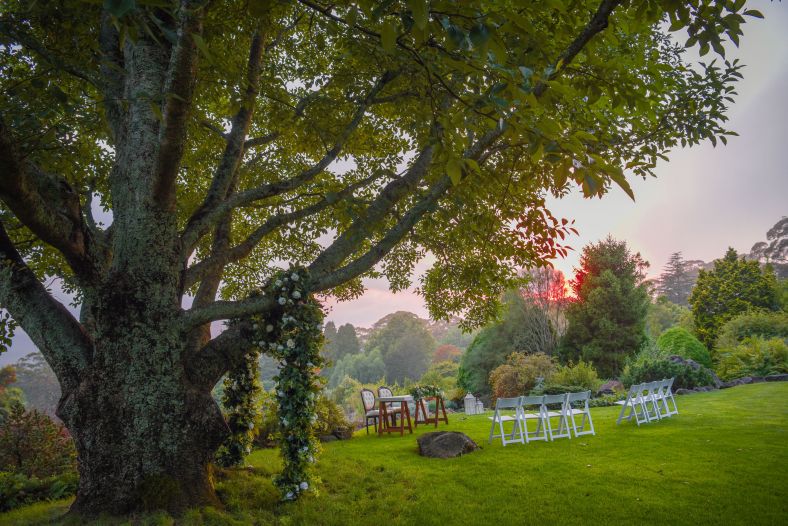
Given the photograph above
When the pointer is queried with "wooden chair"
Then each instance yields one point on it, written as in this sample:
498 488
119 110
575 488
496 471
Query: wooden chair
370 411
391 409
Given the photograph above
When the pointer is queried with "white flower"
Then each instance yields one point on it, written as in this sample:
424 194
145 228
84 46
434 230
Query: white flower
296 294
282 300
290 344
278 283
304 486
280 348
294 276
289 495
286 279
284 289
269 328
251 425
255 326
248 450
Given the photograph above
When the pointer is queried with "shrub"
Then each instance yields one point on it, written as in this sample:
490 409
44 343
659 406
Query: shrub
557 389
32 444
330 418
520 373
443 374
582 375
754 357
681 342
650 369
17 489
764 324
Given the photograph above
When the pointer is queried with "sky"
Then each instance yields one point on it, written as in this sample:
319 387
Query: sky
701 202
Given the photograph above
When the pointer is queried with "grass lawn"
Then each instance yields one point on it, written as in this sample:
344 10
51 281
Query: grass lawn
722 460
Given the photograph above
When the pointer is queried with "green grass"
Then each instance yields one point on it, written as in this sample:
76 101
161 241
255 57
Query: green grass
722 460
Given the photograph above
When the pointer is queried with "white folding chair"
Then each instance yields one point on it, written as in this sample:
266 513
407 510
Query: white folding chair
667 396
585 411
532 408
649 398
561 414
634 403
499 418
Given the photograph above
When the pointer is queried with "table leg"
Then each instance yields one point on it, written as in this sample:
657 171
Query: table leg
382 418
406 412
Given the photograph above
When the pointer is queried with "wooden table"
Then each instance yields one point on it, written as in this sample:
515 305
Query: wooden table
421 406
385 425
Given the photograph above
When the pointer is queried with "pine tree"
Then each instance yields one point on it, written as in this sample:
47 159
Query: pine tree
676 281
607 319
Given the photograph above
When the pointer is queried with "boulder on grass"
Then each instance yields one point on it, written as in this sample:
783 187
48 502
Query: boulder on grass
445 444
609 388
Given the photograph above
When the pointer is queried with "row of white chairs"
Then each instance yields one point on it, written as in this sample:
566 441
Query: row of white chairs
649 402
538 408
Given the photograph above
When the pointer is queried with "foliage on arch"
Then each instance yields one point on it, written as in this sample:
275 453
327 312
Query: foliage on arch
295 341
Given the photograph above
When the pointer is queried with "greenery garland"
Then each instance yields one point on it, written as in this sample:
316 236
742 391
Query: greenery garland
425 391
295 340
240 399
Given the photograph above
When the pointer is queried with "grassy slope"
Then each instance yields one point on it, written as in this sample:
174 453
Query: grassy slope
722 460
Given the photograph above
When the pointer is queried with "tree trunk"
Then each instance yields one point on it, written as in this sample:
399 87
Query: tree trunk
145 433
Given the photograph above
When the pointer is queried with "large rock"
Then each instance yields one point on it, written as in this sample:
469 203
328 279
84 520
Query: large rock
610 387
777 378
445 444
695 367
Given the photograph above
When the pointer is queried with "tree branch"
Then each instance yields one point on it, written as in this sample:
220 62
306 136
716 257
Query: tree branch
197 226
202 220
59 337
219 355
48 206
225 310
179 85
218 260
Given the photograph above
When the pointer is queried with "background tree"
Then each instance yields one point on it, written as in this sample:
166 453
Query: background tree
347 341
219 143
523 328
330 338
365 367
447 352
10 397
39 383
733 287
775 249
663 314
546 288
607 318
676 281
406 345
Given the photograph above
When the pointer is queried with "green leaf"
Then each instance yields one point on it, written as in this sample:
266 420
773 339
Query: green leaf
119 8
420 12
202 46
454 170
479 35
388 36
621 181
754 13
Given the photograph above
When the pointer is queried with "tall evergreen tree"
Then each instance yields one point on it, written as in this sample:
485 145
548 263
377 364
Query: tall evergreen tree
346 341
330 339
734 286
607 318
676 281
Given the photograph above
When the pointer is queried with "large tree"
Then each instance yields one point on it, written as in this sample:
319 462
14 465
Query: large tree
734 286
221 140
608 316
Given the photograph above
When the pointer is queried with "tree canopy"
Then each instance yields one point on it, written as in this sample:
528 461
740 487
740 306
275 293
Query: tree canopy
734 286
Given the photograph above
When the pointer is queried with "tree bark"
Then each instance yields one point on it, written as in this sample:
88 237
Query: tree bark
145 432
